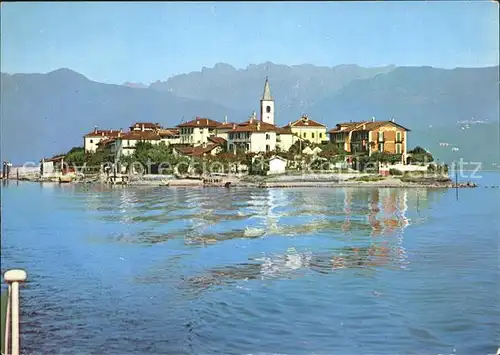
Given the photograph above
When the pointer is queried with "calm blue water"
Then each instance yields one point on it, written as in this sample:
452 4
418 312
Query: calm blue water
239 271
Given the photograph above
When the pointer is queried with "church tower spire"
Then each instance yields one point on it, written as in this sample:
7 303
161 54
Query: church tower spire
267 105
267 91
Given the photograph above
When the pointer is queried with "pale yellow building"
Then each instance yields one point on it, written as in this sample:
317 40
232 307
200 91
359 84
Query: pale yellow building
197 131
308 129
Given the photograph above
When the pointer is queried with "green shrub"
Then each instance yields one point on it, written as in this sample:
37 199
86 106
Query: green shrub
371 170
395 172
370 178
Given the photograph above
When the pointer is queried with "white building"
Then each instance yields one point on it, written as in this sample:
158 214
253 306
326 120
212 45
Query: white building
92 139
252 136
285 138
124 144
223 129
169 136
309 151
145 126
197 131
277 165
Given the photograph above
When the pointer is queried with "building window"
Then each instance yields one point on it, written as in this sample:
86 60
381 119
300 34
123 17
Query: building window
231 147
230 136
268 148
398 136
321 135
267 136
381 147
91 141
312 135
380 136
398 148
304 134
268 109
248 147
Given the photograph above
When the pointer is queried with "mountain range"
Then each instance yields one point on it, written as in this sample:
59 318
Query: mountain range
45 114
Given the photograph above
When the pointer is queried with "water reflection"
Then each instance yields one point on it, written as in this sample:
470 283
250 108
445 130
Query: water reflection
202 216
367 225
293 264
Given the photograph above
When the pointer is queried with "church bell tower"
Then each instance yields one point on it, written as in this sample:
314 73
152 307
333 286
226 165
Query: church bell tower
267 105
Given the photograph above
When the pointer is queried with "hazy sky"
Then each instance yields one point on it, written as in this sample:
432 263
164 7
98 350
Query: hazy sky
144 42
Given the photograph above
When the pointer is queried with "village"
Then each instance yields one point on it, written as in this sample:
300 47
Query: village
208 150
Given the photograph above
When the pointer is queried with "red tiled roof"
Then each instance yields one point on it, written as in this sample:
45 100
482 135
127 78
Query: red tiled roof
358 126
347 127
200 122
169 132
103 133
145 124
139 135
106 141
304 121
55 158
228 125
254 126
197 151
285 130
217 140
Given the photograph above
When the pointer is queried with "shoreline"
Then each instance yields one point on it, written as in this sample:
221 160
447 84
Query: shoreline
286 184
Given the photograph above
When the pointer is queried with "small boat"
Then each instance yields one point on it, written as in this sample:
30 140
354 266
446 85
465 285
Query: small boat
165 183
65 179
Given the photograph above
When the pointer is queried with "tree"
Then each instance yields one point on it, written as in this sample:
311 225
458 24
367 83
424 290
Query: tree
418 150
384 157
141 152
101 156
75 156
420 155
298 146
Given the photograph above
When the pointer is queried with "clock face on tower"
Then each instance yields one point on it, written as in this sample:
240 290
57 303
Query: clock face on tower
268 109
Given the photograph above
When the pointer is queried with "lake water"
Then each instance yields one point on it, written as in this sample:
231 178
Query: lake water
239 271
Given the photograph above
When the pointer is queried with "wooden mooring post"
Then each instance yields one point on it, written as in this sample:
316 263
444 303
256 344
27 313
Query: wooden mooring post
13 278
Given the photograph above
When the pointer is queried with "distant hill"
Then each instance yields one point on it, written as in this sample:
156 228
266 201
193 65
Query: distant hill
416 96
44 114
135 85
294 88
